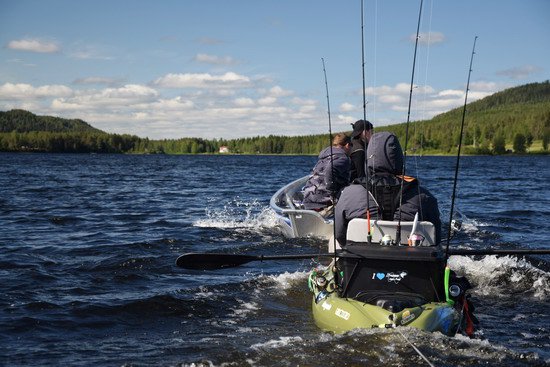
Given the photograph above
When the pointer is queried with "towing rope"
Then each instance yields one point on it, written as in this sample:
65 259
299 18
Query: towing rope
415 348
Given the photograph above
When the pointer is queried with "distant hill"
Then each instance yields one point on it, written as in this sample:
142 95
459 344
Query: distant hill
521 112
23 121
528 93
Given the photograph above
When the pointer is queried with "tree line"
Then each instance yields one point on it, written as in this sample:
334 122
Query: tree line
511 120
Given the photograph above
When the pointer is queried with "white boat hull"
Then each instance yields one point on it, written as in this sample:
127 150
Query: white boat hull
293 220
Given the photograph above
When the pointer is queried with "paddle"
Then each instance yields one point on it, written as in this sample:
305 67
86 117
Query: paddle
213 261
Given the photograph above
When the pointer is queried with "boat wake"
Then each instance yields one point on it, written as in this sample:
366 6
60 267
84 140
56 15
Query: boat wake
503 276
384 347
239 214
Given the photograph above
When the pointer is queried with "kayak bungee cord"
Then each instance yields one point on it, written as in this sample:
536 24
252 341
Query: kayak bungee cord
366 168
458 153
331 157
398 229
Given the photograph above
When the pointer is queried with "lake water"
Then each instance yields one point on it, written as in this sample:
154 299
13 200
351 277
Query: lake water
88 245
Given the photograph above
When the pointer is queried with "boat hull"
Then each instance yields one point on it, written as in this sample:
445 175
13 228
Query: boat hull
335 314
373 286
292 219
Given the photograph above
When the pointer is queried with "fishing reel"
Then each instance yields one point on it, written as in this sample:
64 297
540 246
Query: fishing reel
387 241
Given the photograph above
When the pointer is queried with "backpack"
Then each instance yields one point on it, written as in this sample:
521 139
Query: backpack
386 189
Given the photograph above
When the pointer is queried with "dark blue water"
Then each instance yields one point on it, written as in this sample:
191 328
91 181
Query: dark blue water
88 245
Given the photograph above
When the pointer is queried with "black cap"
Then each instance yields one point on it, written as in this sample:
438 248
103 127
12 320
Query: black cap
359 126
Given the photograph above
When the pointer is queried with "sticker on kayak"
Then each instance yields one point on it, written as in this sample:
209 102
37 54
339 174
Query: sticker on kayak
326 306
343 314
390 277
407 317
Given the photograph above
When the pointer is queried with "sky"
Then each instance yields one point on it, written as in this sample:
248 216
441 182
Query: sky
168 69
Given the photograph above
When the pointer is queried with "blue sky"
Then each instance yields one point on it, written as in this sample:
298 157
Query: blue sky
228 69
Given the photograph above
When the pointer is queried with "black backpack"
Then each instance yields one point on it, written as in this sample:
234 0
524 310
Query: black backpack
386 189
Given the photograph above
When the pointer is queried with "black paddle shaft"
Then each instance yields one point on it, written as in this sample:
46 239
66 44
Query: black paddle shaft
213 261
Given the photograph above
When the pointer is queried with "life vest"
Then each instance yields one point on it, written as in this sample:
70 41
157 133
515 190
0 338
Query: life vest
386 190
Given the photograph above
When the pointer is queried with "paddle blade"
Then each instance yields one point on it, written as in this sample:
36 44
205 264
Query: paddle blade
212 261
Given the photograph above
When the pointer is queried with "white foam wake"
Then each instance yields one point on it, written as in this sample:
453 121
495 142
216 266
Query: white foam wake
504 275
239 214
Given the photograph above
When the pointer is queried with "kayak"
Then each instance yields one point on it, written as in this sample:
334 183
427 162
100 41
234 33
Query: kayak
386 285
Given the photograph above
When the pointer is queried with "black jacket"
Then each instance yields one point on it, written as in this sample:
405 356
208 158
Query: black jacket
385 159
357 156
353 204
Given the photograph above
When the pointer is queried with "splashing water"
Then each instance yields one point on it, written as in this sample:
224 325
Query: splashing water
498 276
239 214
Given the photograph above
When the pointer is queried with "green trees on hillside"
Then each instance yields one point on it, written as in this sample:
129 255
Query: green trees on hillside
57 142
25 121
482 128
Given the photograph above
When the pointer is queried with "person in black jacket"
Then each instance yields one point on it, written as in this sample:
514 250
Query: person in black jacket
385 175
329 176
362 131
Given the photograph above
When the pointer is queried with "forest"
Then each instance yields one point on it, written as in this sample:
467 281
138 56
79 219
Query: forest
516 120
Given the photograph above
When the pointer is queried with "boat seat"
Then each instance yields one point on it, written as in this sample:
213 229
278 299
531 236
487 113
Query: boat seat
357 231
393 302
397 303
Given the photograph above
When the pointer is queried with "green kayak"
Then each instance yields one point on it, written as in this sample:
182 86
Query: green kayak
374 286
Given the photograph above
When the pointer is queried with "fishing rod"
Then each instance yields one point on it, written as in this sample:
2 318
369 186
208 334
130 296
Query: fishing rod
216 261
366 168
398 229
459 147
331 155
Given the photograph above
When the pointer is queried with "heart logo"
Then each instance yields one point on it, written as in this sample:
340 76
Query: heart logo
380 275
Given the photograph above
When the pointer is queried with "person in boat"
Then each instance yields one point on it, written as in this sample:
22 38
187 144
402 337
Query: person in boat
362 132
385 168
330 175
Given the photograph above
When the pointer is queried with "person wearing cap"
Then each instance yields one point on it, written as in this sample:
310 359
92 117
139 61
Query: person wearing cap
385 177
362 131
330 175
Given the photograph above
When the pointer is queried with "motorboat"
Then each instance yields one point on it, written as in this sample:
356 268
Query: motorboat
295 221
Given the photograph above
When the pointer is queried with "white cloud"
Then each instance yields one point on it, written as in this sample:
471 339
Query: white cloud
26 91
267 101
347 107
244 102
34 45
304 101
174 104
428 38
216 60
155 112
451 93
120 98
149 111
97 80
390 99
520 72
277 91
306 109
89 54
204 80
